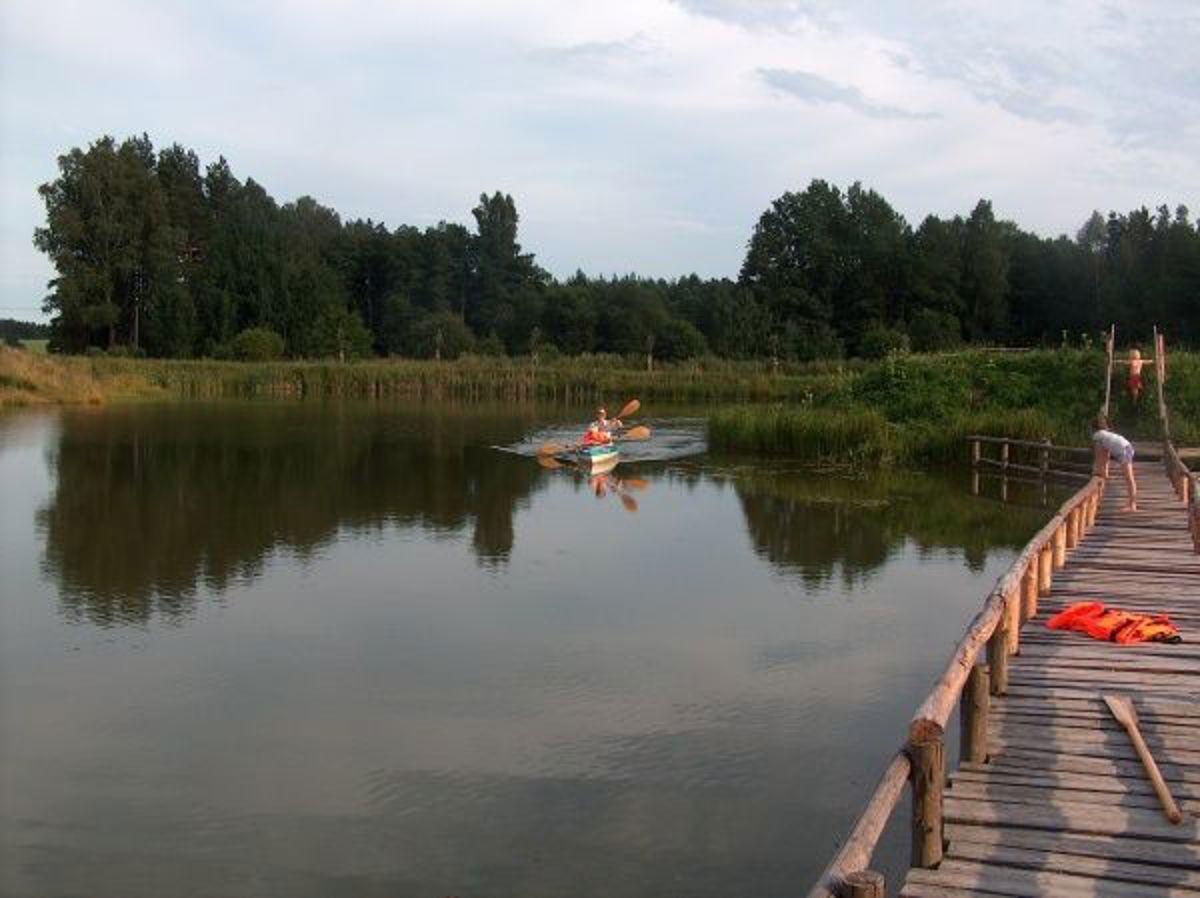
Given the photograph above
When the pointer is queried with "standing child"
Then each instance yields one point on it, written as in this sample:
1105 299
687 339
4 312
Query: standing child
1135 364
1111 445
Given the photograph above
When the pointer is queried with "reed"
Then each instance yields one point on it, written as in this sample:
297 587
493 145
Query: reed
858 436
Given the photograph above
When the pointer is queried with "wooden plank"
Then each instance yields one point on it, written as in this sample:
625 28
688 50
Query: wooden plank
925 890
1105 746
1157 727
1179 855
1089 700
1082 865
1049 798
988 773
1020 882
1073 816
1053 762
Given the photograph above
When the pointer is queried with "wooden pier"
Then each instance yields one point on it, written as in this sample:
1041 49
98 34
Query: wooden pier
1049 796
1061 804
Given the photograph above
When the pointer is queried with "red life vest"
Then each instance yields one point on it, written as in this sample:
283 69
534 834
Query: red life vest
1115 625
596 438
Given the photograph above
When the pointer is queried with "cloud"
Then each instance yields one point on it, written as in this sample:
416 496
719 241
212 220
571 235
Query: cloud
810 87
643 135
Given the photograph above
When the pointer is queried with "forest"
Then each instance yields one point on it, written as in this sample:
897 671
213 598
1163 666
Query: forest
156 255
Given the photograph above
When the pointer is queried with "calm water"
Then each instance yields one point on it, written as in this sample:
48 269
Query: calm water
325 650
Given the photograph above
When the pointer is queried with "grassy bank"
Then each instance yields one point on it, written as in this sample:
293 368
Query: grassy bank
582 379
905 409
32 378
917 409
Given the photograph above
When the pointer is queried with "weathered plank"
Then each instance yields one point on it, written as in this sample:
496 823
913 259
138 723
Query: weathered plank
1072 816
1015 881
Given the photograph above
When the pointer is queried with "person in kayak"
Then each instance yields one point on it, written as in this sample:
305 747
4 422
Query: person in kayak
1111 445
599 432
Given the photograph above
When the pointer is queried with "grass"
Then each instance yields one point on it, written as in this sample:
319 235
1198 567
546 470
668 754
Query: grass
33 378
908 409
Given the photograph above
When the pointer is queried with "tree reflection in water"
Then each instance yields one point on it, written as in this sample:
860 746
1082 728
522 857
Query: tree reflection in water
150 501
820 526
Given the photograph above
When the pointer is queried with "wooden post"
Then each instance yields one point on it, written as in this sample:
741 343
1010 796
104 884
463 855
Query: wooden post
1186 492
1012 614
1045 570
865 884
974 453
1029 591
997 653
1004 456
1060 546
1004 488
975 482
1072 527
1044 463
928 777
973 715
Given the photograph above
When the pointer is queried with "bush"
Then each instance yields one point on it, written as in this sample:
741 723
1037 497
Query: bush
879 341
932 331
257 344
440 335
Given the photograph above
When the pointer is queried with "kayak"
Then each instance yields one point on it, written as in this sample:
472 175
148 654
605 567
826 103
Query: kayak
594 459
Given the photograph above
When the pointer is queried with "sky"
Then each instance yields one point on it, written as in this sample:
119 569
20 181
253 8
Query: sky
635 136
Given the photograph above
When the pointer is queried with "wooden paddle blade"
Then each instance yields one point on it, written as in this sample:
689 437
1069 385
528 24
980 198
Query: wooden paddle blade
635 483
552 449
549 462
628 501
1122 709
630 408
636 433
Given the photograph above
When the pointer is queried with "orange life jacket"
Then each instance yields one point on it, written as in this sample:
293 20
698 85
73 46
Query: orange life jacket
1115 625
596 438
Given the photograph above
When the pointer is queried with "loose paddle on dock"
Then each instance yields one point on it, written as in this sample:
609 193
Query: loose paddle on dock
1122 709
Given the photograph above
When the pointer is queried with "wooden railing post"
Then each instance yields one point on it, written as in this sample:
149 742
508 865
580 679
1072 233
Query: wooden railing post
1044 460
997 654
973 716
1004 455
1045 569
865 884
1029 591
1072 530
1012 616
1060 546
927 755
974 453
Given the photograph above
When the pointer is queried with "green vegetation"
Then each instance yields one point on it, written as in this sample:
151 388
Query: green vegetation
918 409
907 409
155 255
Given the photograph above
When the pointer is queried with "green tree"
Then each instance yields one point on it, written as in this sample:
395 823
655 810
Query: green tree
985 275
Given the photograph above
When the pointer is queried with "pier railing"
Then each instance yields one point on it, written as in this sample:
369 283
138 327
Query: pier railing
1012 456
920 760
1185 482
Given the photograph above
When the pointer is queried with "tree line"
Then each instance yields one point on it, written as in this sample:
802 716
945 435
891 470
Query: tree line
13 332
155 254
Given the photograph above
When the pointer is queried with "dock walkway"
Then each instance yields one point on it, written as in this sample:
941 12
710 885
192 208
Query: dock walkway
1063 806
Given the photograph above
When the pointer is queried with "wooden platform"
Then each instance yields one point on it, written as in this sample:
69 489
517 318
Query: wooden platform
1063 806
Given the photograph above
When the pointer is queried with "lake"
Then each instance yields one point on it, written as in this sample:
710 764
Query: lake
377 649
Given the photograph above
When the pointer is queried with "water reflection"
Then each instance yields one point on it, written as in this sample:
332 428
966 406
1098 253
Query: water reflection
821 527
436 668
150 502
